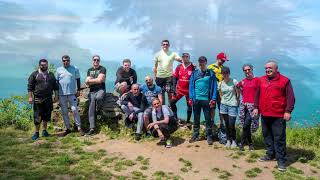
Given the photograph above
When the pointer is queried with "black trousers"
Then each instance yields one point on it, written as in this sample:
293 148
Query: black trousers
274 133
166 129
230 122
246 130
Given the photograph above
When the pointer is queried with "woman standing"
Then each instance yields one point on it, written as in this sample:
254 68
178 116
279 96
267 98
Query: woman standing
248 121
229 105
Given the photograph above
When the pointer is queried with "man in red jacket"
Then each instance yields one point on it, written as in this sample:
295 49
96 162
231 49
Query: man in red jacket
275 101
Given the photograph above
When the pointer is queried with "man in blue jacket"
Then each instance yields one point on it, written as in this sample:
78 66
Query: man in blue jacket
202 91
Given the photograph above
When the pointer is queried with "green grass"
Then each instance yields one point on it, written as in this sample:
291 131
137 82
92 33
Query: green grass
254 172
222 174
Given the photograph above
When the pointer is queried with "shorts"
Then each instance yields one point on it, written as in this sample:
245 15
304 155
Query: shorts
42 110
230 110
166 84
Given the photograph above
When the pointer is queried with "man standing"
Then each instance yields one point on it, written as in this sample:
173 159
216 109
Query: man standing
203 91
96 77
41 85
68 78
125 74
275 101
163 68
181 78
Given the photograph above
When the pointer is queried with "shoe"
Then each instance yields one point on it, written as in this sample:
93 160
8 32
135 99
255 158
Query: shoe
209 140
282 167
233 145
91 132
66 132
189 125
228 144
168 143
45 133
266 158
137 137
194 139
148 134
35 136
241 148
251 147
81 132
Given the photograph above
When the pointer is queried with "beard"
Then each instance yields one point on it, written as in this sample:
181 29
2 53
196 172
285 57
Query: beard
43 69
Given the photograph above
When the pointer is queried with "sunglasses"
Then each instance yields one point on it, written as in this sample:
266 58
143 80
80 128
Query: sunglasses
148 80
65 60
96 59
246 70
165 44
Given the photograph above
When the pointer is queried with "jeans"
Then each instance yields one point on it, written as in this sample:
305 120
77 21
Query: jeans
197 106
64 100
246 130
95 98
274 133
128 111
230 122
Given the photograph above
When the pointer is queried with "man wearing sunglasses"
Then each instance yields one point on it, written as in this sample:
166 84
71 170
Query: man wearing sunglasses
96 77
163 68
68 78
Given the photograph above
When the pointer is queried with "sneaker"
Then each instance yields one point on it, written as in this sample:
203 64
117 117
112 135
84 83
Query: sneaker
266 158
168 143
66 132
35 136
148 134
91 132
45 133
81 132
194 139
282 167
209 140
251 147
228 144
241 148
137 137
234 144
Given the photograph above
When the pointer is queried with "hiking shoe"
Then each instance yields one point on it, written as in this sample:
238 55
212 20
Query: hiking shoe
194 139
251 147
45 133
233 145
91 132
209 140
35 136
168 143
266 158
81 132
137 137
282 167
228 144
241 148
66 132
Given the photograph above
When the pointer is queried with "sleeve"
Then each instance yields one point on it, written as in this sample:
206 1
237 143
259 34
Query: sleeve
135 77
103 71
56 75
77 73
88 73
191 86
219 86
159 91
213 86
290 97
155 58
165 111
55 83
176 55
239 84
144 104
154 115
235 82
118 76
176 72
31 82
257 96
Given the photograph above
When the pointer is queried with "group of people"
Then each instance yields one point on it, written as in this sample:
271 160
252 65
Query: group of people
205 88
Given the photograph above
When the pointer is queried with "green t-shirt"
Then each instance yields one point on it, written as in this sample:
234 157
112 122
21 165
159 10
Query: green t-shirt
228 92
165 63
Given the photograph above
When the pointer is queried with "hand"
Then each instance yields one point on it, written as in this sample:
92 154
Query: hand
190 102
78 94
255 112
287 116
131 116
55 99
150 125
212 103
88 80
131 79
30 100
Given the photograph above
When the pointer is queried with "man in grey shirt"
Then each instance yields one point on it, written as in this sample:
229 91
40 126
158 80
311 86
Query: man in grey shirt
68 78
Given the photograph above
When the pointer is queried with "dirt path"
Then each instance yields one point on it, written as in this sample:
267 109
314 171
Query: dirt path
204 159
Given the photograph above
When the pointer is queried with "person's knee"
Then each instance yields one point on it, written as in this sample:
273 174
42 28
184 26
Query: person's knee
37 122
74 109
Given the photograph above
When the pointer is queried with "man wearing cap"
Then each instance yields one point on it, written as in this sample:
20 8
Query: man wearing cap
202 91
275 101
181 78
216 68
163 68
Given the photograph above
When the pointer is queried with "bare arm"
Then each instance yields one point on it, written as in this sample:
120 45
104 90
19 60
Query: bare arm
100 79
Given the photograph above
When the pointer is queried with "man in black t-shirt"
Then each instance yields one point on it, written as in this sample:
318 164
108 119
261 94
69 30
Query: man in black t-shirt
96 77
126 76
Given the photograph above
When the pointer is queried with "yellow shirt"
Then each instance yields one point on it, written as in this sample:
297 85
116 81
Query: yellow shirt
217 70
165 63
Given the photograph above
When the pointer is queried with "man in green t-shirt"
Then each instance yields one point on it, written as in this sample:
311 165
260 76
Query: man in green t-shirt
163 68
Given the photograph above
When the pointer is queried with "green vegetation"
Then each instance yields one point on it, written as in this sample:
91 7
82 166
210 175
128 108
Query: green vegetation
253 172
187 165
222 174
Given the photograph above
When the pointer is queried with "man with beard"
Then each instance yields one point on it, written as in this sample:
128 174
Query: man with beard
126 76
41 85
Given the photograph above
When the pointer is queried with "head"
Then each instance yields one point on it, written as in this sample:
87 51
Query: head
271 68
185 58
221 58
96 61
65 60
43 64
202 62
165 44
248 70
149 81
225 71
126 64
135 89
156 103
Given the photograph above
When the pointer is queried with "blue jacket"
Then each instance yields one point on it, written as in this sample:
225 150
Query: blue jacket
197 74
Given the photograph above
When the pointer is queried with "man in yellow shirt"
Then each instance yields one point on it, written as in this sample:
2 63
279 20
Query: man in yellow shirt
163 68
216 68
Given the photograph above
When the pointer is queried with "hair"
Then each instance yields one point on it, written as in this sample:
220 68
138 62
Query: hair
126 61
65 57
245 65
202 58
43 60
225 70
135 85
165 40
155 99
273 61
96 56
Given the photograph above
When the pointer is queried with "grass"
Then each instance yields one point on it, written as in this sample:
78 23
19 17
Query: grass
222 174
187 165
254 172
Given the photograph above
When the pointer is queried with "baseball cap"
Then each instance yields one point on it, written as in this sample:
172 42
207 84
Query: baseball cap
222 56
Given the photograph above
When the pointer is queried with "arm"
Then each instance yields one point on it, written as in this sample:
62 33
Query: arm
290 97
31 86
178 58
100 79
155 66
135 77
214 87
160 97
55 89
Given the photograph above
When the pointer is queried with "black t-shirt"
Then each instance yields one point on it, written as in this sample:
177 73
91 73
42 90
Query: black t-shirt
123 75
94 73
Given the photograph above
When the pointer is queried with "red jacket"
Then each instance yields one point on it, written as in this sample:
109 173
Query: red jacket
273 98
